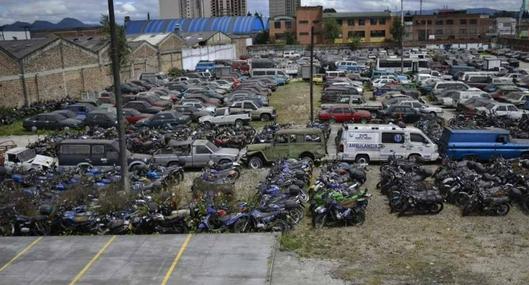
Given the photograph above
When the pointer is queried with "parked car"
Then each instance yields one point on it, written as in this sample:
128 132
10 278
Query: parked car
101 119
421 107
342 114
143 107
26 158
384 141
133 116
195 154
81 109
304 143
256 112
482 144
84 153
401 113
223 116
192 112
50 121
505 109
166 118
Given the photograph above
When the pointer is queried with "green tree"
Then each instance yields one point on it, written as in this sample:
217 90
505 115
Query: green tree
123 47
262 38
290 39
175 72
331 29
397 30
355 41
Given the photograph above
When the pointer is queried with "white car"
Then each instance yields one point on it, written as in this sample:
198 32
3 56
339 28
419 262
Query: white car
423 108
379 83
27 159
505 109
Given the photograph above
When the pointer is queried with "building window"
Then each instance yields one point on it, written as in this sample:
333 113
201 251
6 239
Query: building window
277 25
361 22
439 22
288 25
316 22
382 21
423 22
373 21
463 21
438 32
350 22
429 22
304 34
473 21
378 34
463 31
449 22
349 34
304 22
360 34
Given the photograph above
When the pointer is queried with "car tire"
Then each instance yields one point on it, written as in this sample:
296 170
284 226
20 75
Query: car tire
255 162
266 117
208 125
434 114
362 158
238 124
414 157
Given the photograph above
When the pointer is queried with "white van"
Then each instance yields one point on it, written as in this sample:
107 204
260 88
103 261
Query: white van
363 143
333 74
256 72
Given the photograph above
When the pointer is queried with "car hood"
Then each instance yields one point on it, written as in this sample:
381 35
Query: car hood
205 118
139 156
71 121
42 160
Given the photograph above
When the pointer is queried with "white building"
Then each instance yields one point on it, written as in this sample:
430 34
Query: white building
14 35
504 26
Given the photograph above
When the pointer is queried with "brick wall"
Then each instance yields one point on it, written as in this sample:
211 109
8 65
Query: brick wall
8 66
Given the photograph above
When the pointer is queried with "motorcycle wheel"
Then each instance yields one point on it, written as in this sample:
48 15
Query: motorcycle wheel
319 221
359 218
297 215
279 226
303 196
240 226
502 209
7 229
461 199
436 208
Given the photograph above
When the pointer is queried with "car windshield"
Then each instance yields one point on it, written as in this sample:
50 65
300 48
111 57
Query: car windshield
25 155
211 146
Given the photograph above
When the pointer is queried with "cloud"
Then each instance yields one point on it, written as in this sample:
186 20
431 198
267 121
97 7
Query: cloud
128 7
90 11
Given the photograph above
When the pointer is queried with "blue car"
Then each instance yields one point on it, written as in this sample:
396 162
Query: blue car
482 144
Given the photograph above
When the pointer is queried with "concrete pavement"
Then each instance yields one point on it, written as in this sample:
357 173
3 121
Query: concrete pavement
137 259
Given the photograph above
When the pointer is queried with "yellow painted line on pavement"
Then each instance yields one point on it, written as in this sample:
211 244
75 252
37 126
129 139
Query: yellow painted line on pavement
22 252
175 261
92 261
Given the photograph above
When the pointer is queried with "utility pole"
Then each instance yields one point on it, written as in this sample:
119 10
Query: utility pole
311 73
119 101
402 37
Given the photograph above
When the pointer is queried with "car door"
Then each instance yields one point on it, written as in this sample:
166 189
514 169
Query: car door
393 144
501 110
201 156
98 156
237 108
247 106
280 148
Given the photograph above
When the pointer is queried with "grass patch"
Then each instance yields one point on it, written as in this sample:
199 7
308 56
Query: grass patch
16 129
291 102
289 242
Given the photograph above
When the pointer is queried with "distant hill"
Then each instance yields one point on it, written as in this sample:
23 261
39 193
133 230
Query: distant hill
64 24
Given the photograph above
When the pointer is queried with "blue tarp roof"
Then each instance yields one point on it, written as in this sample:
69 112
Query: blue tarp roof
241 25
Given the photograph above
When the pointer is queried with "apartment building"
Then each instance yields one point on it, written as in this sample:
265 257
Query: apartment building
369 27
170 9
306 18
220 8
283 7
447 25
281 26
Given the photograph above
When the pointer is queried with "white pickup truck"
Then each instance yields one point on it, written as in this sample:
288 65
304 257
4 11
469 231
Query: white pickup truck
223 116
356 102
26 159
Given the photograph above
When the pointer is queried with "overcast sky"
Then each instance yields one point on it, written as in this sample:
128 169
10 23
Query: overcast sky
89 11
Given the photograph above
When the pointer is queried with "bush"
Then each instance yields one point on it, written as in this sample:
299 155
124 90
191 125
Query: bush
175 72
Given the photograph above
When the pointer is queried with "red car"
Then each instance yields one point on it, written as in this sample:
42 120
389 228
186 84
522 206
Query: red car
133 116
341 114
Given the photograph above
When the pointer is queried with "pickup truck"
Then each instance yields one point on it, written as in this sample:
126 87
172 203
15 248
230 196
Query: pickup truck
224 116
26 158
356 102
256 113
195 154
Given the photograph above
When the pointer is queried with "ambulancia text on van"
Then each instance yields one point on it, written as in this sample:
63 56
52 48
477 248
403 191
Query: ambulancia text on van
363 143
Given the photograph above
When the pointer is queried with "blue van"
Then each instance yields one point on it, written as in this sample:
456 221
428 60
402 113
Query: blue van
203 66
481 144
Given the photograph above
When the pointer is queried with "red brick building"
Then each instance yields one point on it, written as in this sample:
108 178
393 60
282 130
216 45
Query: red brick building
281 26
307 17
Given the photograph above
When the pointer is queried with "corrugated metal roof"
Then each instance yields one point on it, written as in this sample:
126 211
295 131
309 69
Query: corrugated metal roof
228 25
22 48
153 39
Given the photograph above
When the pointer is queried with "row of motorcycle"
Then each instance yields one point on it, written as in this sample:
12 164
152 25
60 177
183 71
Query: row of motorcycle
484 188
519 128
337 198
84 201
409 193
